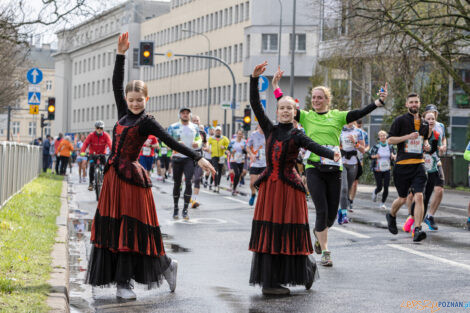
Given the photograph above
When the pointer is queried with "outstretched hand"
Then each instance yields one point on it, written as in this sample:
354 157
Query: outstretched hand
383 93
259 69
277 77
123 43
206 166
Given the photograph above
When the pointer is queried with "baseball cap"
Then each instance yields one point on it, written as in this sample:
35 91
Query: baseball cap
430 107
185 109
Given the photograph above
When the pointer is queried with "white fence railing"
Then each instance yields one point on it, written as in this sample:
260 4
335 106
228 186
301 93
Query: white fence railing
19 164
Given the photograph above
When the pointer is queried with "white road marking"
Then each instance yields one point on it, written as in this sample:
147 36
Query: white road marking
429 256
208 192
350 232
236 200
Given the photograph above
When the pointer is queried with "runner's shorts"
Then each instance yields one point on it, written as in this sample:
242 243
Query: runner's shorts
406 176
436 178
256 170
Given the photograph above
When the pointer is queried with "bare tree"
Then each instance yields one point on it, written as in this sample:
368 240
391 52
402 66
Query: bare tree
438 30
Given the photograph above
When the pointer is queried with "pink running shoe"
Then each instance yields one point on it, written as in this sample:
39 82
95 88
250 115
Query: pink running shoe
408 224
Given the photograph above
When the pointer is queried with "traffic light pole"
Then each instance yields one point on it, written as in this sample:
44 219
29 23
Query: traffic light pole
233 104
10 108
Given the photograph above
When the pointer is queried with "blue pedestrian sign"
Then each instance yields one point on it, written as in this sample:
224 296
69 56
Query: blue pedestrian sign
34 97
263 102
34 75
263 83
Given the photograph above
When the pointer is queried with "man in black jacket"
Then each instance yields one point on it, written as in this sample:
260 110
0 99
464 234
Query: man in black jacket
45 153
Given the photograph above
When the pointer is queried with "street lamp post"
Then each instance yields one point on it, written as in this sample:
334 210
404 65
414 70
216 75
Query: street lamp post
292 62
208 73
280 36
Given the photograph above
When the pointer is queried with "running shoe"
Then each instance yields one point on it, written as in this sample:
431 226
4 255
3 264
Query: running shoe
234 193
175 213
408 224
205 184
392 223
345 219
185 214
340 217
316 246
252 200
429 220
383 206
170 275
350 207
418 234
326 259
90 187
374 196
195 205
210 187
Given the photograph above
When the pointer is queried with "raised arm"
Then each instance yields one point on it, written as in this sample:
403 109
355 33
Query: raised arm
118 75
255 102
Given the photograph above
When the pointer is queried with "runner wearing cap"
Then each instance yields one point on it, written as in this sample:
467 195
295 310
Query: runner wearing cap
187 134
219 145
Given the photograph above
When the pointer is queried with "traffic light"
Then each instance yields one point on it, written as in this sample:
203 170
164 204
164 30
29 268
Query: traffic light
51 108
247 119
146 53
43 121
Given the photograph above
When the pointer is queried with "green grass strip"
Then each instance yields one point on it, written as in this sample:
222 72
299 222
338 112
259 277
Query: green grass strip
27 234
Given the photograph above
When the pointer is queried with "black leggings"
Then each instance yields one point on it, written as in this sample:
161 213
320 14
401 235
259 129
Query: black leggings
385 178
218 168
324 188
237 169
182 166
64 161
430 184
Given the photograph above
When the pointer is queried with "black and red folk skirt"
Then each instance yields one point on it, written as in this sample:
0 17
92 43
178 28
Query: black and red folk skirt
280 237
126 237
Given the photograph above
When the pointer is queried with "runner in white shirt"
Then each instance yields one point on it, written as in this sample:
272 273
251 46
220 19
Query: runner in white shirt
257 152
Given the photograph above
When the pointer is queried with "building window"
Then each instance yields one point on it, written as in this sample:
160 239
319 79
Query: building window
98 87
241 53
248 44
48 84
236 14
47 130
87 114
75 92
230 15
89 64
99 60
269 42
460 99
247 10
242 16
79 91
15 128
109 85
93 113
300 42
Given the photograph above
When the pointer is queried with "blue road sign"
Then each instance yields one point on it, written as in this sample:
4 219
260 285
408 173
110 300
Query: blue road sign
34 75
34 97
263 83
263 102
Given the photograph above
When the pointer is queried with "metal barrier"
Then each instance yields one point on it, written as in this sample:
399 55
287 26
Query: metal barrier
19 164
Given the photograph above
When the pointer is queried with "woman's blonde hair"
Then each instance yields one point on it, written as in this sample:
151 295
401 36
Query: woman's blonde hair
137 86
326 91
382 132
290 99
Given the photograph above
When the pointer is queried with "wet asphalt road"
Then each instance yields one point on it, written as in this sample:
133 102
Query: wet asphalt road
374 271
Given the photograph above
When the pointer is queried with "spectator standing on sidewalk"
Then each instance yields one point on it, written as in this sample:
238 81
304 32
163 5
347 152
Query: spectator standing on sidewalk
64 152
56 159
46 146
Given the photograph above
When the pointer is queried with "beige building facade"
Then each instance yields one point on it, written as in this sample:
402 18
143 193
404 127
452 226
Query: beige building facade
197 27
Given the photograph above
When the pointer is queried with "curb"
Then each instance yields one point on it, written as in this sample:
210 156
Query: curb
58 297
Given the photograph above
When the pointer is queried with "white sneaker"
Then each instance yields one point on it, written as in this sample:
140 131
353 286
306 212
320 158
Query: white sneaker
125 292
170 275
383 206
374 196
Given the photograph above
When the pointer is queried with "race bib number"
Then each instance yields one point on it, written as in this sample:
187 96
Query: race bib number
238 157
146 151
414 145
261 154
347 144
222 160
428 162
384 165
164 150
326 161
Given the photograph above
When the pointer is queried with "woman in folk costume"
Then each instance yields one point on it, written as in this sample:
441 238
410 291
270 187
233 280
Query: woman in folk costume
280 237
126 237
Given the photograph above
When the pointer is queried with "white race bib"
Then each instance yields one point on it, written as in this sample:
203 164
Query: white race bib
164 150
261 154
146 151
384 165
327 161
238 157
428 162
347 144
414 145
